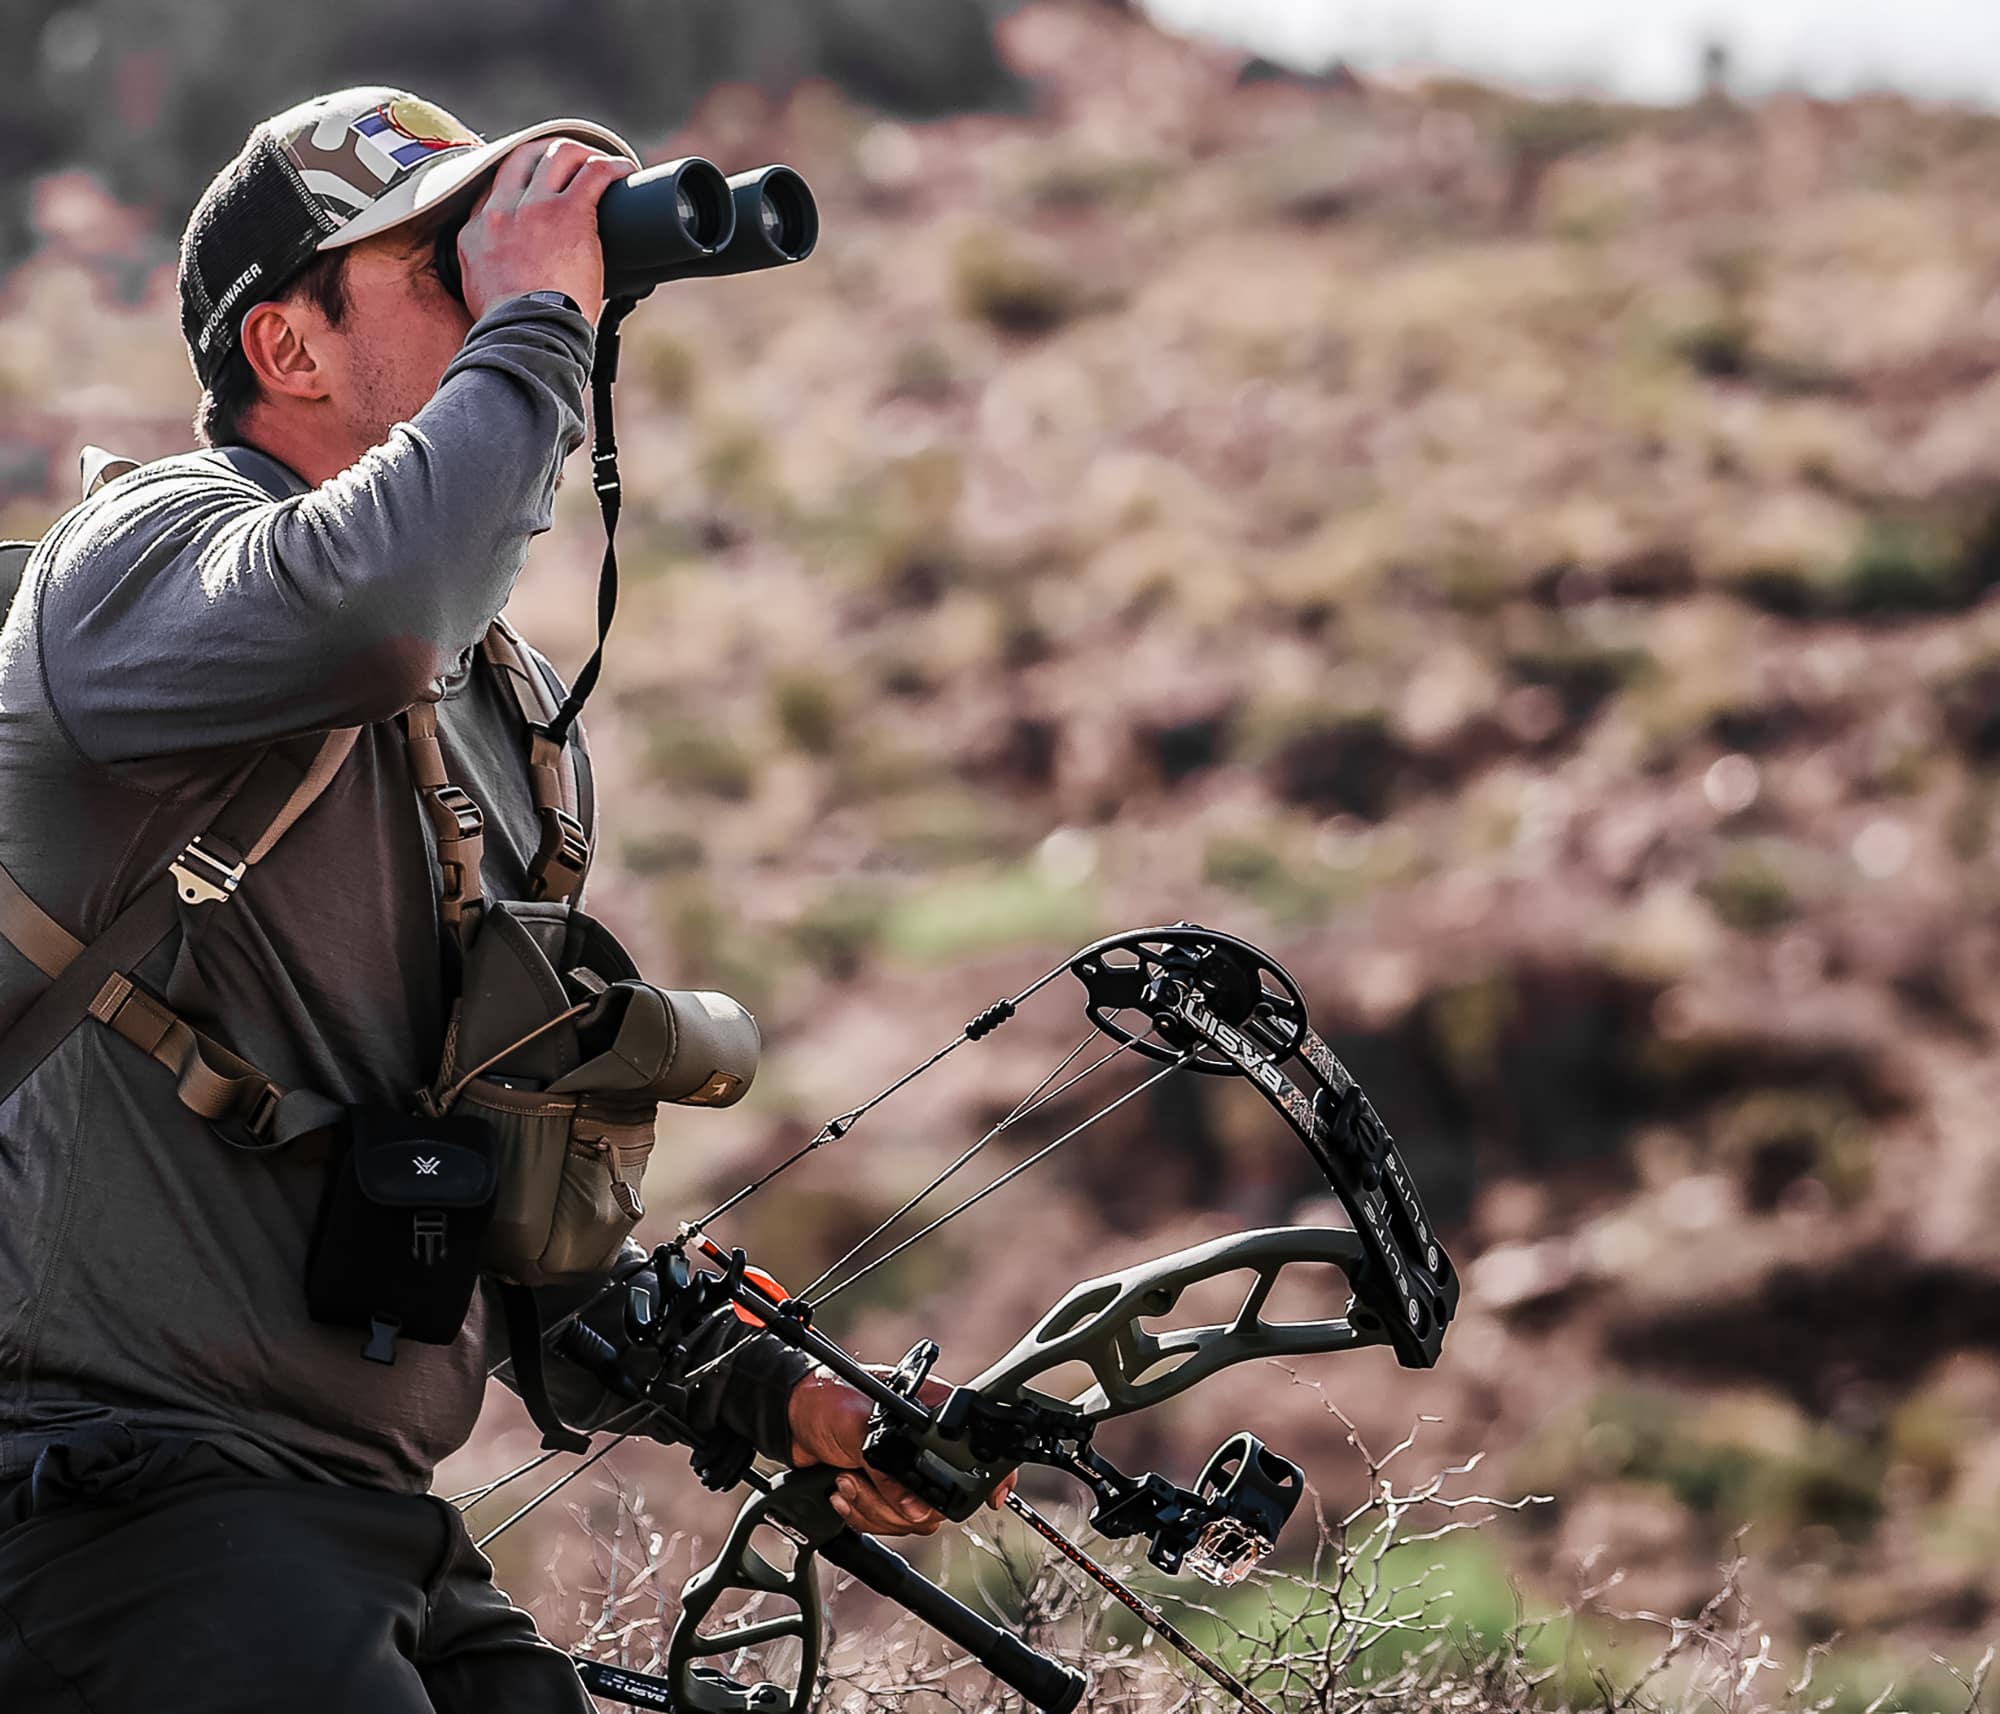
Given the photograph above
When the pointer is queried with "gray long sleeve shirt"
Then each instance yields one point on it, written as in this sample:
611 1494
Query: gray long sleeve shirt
166 629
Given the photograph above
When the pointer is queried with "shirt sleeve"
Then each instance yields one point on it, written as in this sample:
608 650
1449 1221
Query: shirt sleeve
184 609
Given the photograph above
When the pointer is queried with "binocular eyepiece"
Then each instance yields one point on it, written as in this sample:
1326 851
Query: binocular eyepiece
684 220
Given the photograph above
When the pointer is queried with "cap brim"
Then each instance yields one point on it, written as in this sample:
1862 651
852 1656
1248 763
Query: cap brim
454 169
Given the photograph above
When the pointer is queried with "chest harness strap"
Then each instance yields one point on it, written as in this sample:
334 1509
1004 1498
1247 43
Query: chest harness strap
554 770
99 981
456 824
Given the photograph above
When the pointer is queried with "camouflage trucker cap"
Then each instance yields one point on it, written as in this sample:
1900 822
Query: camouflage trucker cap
328 172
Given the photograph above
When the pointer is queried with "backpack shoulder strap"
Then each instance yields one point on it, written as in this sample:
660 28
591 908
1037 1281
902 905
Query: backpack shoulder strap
457 826
13 563
98 468
96 980
555 776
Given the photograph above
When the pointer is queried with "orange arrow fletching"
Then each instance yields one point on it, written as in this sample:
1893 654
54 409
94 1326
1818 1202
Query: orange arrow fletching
768 1286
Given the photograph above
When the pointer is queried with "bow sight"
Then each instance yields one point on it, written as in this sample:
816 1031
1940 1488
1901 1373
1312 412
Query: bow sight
1188 998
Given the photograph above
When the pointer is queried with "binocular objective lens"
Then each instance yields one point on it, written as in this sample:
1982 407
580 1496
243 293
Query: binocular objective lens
773 222
684 207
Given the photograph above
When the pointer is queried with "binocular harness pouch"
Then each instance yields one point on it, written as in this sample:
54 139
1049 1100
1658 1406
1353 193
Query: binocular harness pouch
560 1054
565 1053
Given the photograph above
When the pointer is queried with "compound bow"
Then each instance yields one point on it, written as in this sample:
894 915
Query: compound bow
1189 999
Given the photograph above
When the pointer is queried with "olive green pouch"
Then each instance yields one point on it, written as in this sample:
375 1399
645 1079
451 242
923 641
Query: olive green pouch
566 1052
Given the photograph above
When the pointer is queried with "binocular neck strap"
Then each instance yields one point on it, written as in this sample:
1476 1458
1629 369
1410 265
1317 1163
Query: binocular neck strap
610 497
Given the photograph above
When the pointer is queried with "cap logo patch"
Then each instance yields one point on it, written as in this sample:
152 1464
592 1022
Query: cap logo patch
412 131
348 165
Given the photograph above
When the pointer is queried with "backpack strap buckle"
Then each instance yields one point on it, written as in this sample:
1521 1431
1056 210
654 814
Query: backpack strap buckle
455 817
458 827
559 866
205 877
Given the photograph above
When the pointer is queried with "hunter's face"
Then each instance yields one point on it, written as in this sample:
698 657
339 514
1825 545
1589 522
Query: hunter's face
401 329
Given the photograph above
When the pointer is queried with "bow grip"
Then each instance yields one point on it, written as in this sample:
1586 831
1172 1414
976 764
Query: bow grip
943 1465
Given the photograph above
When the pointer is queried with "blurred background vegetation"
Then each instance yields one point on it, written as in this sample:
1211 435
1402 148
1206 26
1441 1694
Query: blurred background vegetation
1526 562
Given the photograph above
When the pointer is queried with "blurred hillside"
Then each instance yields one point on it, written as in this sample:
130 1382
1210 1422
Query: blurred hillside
1528 565
150 94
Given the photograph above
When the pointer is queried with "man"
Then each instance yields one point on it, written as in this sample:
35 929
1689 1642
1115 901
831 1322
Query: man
207 1501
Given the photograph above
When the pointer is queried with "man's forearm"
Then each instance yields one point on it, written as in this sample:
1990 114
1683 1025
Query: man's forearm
238 621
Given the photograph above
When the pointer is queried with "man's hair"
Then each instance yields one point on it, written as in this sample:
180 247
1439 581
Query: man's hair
218 419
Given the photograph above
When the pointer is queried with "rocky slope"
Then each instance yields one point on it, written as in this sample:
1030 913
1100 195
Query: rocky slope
1528 565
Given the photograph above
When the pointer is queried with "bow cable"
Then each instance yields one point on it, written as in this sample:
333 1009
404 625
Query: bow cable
1008 1176
834 1129
635 1411
1028 1105
472 1496
973 1200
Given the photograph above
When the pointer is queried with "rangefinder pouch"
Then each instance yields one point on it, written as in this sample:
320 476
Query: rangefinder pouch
401 1228
565 1052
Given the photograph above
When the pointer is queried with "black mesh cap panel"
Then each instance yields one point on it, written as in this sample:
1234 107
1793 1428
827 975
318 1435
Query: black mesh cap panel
255 227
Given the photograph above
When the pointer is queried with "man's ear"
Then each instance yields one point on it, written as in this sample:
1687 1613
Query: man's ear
277 342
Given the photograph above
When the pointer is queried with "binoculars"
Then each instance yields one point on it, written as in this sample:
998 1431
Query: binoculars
683 220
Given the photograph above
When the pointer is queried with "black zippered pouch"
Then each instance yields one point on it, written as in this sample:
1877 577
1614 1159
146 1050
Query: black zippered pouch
395 1248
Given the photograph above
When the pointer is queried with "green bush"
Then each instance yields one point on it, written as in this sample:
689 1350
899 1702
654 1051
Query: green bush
1903 565
979 911
1255 869
840 931
698 759
1717 347
1010 290
1582 675
1942 560
1772 1138
1727 1467
807 712
1748 889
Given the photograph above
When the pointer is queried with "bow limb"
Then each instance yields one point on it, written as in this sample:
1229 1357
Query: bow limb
795 1507
740 1567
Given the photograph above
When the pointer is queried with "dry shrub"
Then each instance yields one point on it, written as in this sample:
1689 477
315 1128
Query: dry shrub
1356 1622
